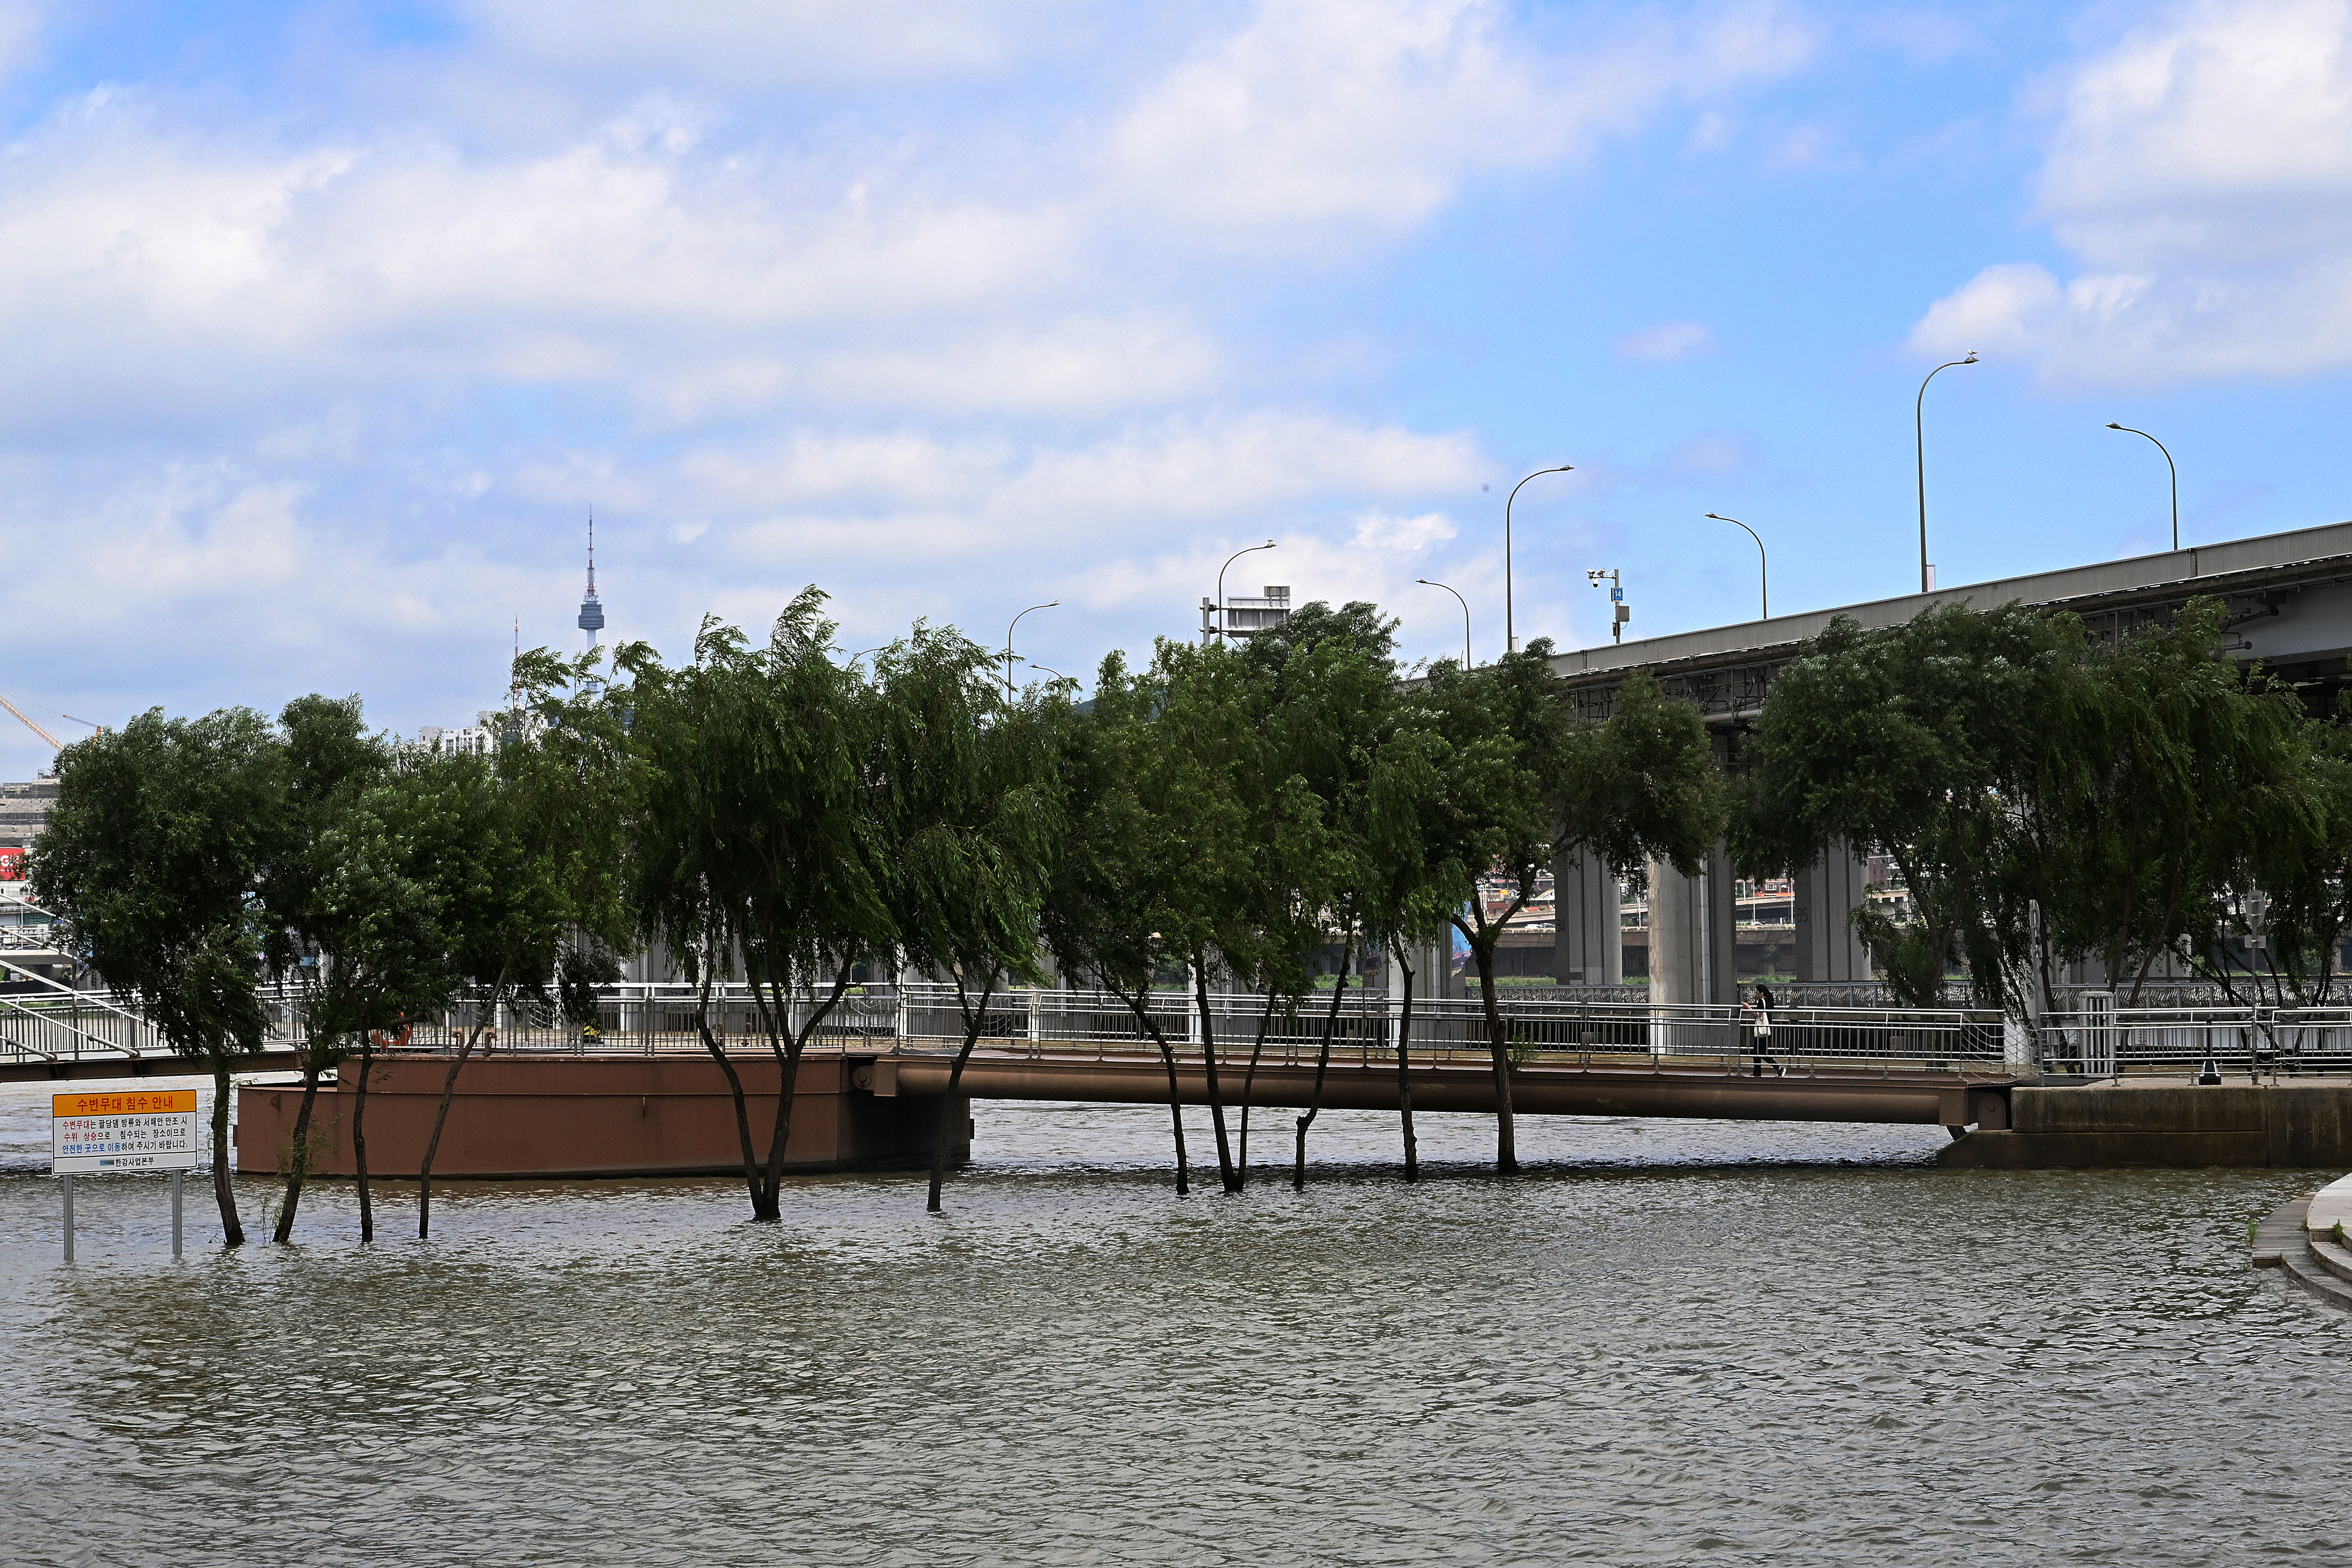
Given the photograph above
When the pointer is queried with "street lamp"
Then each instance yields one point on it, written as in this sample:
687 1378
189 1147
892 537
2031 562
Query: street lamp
1920 432
1237 555
1427 582
1763 568
1510 630
2175 479
1055 673
1049 604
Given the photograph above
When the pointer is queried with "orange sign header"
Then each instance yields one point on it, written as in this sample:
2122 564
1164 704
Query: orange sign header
132 1103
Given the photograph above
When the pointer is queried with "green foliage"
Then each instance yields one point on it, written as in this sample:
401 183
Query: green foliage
1902 740
154 851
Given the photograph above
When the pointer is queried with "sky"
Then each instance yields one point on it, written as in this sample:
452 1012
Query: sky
324 327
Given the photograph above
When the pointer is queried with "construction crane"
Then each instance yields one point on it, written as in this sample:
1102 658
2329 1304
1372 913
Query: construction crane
26 719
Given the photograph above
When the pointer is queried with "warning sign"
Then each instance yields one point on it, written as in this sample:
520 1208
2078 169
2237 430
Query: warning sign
132 1130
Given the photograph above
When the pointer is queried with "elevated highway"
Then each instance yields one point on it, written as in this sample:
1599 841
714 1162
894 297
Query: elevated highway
2289 599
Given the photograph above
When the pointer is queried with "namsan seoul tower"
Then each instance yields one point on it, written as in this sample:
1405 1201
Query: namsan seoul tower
591 610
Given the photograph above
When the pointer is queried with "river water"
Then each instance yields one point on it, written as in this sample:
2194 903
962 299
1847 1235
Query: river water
1670 1343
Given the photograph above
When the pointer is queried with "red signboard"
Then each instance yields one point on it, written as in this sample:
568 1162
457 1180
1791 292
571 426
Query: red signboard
11 862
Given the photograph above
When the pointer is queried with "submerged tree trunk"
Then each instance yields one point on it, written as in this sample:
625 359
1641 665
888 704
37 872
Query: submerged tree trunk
224 1190
359 1136
297 1154
1507 1146
1141 1007
789 1045
1322 1066
1249 1076
441 1115
718 1050
1404 1079
974 1020
1216 1099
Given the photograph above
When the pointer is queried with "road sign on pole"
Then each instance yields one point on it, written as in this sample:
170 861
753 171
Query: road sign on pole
131 1129
122 1132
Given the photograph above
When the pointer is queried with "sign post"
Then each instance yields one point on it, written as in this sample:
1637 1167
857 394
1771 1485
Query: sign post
130 1130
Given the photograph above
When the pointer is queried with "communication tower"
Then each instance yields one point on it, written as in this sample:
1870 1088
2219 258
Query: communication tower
591 610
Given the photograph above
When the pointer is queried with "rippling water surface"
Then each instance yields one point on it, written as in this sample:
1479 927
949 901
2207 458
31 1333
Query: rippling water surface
1689 1342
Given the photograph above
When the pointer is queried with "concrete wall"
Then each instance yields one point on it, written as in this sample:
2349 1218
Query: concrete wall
2296 1126
569 1116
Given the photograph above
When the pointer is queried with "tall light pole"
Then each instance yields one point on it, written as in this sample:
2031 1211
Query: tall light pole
1427 582
1049 604
1237 555
2175 479
1510 628
1919 430
1763 568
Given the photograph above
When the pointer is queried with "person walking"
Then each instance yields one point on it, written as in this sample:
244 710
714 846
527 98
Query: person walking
1763 1027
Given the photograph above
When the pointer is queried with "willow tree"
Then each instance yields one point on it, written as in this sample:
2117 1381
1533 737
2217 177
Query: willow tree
961 776
1910 740
320 928
1320 696
1505 730
756 839
530 876
1520 780
1123 904
154 851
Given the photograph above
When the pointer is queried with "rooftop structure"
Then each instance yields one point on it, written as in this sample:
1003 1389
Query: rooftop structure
1244 617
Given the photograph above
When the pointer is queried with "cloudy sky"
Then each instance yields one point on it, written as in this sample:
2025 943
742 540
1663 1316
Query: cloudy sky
324 326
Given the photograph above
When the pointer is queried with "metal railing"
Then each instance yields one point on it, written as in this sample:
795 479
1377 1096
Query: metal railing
1582 1026
655 1019
2099 1040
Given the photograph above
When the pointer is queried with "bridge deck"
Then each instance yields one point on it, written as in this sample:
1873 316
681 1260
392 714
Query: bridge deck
1705 1088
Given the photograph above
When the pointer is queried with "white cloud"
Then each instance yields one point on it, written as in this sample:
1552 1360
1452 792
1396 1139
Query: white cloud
2202 172
775 40
1321 117
1382 530
1667 342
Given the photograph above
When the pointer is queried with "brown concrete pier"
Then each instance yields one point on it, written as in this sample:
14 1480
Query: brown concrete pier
2097 1126
518 1117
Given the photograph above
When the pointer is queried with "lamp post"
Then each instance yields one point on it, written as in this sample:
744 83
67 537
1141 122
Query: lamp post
1049 604
1763 568
1427 582
1920 432
1510 628
2175 479
1220 582
1055 673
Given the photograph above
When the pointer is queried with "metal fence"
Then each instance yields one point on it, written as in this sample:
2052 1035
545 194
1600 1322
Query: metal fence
1588 1026
2097 1040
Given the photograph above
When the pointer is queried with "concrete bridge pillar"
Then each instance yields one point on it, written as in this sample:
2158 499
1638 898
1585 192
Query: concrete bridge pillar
1432 971
1827 892
1678 936
1694 932
1590 946
1722 894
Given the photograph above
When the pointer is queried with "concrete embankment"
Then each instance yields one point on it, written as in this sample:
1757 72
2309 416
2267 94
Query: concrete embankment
2103 1125
2305 1240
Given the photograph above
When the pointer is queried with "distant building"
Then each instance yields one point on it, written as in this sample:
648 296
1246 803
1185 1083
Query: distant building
1244 617
24 809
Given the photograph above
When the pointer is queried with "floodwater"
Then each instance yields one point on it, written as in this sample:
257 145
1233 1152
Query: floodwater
1692 1342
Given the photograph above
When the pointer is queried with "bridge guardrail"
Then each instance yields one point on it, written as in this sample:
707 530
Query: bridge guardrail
2099 1041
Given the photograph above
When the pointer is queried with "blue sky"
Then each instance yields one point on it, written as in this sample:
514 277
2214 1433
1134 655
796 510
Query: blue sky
327 324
